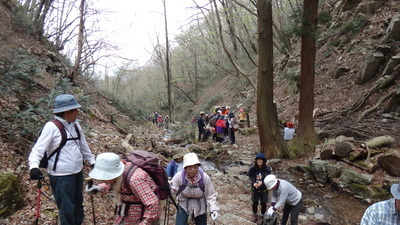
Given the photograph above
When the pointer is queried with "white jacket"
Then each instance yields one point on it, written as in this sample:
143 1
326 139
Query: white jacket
72 154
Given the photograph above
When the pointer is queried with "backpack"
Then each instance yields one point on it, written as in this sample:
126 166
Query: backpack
185 182
44 162
270 220
149 163
213 121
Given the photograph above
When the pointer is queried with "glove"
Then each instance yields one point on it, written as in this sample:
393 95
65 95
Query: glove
36 174
92 166
93 190
214 215
270 211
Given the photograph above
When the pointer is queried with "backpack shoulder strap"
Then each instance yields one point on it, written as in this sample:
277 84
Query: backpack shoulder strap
128 174
62 143
184 181
201 181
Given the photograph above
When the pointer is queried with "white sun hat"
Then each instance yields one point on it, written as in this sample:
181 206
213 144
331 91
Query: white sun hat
107 167
270 181
190 159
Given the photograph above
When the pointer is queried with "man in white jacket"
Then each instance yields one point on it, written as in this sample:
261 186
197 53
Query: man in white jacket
286 196
65 166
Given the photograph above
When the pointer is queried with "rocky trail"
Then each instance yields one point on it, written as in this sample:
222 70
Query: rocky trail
227 169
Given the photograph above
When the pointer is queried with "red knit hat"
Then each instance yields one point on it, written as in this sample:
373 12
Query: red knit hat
289 124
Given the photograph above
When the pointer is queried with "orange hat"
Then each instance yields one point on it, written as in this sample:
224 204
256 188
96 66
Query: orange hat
289 124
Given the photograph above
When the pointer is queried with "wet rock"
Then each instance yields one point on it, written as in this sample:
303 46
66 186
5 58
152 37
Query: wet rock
319 170
394 103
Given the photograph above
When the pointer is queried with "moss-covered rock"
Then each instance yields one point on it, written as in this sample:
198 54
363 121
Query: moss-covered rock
11 197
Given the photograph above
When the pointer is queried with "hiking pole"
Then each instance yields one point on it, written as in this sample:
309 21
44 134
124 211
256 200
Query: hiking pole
90 184
166 215
39 187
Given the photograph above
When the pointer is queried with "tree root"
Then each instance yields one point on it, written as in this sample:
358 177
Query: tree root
381 100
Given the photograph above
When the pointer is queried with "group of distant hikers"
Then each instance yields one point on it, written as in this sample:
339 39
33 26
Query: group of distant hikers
221 124
138 182
158 119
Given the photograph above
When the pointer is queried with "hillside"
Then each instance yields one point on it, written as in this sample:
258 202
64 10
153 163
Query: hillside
25 103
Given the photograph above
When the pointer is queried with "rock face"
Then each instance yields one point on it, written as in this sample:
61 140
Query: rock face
11 198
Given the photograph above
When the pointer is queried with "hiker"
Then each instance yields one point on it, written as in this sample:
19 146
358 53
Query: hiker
136 203
155 118
176 164
65 166
286 196
242 116
160 121
231 129
289 131
220 126
194 191
224 111
259 193
201 125
384 212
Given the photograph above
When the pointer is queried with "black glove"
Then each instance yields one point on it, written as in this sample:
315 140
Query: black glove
36 174
92 166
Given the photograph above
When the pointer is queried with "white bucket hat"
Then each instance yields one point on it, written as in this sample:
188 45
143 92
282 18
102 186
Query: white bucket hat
190 159
64 103
395 190
270 181
107 167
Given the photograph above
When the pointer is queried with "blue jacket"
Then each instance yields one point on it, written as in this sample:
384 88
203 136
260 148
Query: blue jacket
172 168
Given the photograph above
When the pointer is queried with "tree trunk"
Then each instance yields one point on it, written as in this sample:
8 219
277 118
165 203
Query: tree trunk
75 70
271 141
306 138
167 63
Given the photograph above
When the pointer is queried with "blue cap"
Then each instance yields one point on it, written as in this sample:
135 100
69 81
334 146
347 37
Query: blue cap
261 156
64 103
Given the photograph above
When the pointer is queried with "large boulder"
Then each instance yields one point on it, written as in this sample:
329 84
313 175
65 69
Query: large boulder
371 67
393 30
11 197
390 163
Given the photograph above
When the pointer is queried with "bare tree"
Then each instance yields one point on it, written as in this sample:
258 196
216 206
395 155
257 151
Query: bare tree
168 69
75 70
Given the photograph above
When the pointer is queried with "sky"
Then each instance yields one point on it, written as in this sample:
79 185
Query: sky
135 23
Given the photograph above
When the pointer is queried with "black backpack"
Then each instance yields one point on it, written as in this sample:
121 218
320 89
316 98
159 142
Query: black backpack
44 162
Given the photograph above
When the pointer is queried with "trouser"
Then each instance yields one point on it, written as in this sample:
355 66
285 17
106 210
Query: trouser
201 133
259 196
182 218
232 135
67 191
294 212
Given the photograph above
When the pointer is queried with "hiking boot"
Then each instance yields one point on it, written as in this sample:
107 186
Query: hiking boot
254 218
260 217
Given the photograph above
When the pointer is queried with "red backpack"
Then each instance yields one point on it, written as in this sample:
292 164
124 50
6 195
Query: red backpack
149 163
